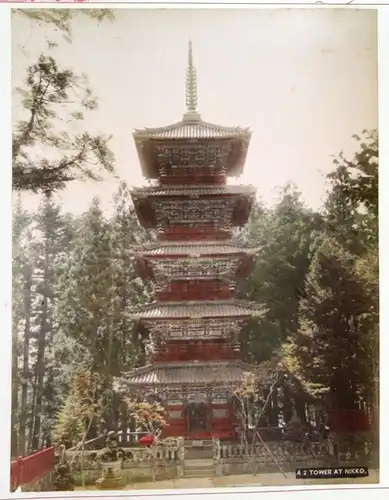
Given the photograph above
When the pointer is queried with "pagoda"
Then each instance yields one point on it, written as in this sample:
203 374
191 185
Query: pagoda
194 322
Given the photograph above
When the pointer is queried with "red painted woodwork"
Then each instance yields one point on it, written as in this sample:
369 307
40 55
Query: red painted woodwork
195 350
220 427
344 421
32 468
196 290
193 234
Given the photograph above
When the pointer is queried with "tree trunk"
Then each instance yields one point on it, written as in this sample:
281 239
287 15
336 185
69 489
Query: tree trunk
287 404
26 359
40 359
15 394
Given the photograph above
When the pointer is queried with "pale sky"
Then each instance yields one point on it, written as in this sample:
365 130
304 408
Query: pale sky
303 80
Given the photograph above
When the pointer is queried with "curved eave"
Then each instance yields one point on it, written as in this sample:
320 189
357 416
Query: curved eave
191 129
186 191
190 249
197 310
227 373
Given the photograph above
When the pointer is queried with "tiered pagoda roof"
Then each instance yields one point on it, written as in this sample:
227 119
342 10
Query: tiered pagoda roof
192 249
192 127
198 309
193 373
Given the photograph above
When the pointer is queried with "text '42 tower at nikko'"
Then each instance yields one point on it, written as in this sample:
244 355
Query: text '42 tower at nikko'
194 322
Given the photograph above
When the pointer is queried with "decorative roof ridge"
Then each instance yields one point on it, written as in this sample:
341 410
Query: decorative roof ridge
195 187
191 119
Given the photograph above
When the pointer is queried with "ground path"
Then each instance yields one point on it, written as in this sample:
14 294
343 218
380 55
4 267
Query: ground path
274 479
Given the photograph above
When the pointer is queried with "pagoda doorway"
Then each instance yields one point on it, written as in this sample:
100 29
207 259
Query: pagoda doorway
197 418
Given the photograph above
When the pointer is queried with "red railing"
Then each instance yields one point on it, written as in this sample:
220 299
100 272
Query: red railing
26 470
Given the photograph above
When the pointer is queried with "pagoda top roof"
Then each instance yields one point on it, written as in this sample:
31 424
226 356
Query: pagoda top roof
198 310
192 127
191 373
192 249
193 191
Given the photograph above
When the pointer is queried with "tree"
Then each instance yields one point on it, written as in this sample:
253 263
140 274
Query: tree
352 201
84 293
285 235
150 415
329 352
21 315
60 20
52 97
48 249
253 400
82 408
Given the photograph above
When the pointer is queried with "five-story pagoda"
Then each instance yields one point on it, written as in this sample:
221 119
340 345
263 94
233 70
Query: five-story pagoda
195 320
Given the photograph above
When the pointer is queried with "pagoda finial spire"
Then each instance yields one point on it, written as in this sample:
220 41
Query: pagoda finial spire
191 84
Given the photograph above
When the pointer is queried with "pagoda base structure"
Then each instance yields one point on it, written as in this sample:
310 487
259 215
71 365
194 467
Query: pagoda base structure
198 396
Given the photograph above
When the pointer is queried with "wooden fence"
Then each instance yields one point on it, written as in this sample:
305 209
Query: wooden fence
29 469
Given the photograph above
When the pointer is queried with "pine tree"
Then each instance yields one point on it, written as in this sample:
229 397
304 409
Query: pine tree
48 248
328 353
285 235
21 304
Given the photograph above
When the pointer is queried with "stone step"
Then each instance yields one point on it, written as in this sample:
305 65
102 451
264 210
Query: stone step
200 473
198 443
193 453
199 463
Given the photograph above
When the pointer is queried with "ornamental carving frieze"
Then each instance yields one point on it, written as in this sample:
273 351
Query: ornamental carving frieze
216 268
195 328
216 212
193 155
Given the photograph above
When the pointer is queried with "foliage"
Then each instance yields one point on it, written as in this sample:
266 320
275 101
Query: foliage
60 20
52 98
82 407
149 415
253 395
285 235
352 202
69 427
330 352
